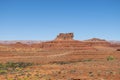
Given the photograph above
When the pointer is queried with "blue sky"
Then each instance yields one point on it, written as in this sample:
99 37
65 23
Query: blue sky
44 19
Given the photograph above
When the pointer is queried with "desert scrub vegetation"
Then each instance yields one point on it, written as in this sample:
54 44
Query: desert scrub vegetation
118 50
12 66
110 58
70 62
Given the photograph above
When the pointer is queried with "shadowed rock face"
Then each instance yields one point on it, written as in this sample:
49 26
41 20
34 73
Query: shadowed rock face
65 36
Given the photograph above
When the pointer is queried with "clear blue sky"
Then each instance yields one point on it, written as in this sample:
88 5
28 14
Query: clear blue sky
44 19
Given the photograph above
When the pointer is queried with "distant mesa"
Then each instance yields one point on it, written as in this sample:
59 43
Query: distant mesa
95 40
18 44
65 36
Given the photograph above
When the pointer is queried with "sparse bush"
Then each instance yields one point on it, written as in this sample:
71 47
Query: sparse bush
17 64
110 58
72 71
87 60
12 66
91 74
61 62
118 49
69 62
3 72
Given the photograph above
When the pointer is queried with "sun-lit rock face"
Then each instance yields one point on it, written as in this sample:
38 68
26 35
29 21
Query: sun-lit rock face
65 36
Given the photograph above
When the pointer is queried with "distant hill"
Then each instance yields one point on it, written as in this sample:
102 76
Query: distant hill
94 40
21 41
114 42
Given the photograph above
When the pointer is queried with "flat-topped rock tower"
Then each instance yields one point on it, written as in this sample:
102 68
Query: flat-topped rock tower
65 36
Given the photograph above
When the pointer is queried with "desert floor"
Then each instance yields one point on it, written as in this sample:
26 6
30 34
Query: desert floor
103 63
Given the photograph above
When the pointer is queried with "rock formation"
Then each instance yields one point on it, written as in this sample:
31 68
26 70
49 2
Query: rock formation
18 44
65 36
97 42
